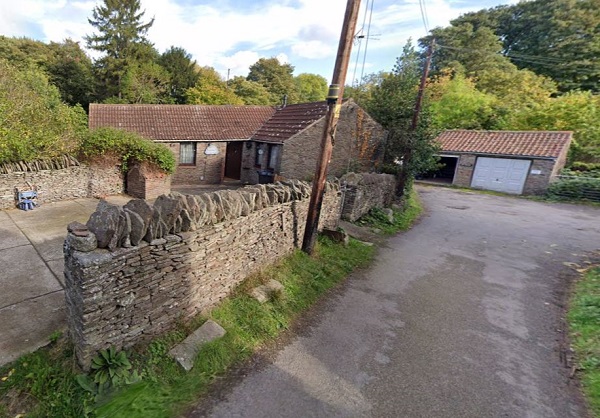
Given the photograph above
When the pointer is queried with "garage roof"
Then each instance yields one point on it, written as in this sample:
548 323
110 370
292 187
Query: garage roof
182 122
546 144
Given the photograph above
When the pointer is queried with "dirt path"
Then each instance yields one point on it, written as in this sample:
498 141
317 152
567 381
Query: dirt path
459 317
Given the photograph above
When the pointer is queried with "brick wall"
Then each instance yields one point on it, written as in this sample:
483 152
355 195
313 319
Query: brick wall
250 168
208 168
63 184
538 183
362 192
195 250
145 182
464 171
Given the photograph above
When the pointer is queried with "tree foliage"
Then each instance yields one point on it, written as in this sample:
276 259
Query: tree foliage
34 123
65 63
276 77
251 92
210 89
121 38
555 38
392 104
310 87
457 104
181 70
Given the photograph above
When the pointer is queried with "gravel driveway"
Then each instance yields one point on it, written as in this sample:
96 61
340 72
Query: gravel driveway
459 317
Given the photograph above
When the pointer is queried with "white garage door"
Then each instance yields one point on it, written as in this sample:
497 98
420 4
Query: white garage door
500 174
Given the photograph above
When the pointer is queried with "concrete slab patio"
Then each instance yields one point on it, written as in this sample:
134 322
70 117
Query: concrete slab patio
32 304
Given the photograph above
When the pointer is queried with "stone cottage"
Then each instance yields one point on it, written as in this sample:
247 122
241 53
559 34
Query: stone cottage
516 162
288 144
212 143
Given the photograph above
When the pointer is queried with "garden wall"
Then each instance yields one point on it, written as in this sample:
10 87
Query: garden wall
362 192
134 271
59 184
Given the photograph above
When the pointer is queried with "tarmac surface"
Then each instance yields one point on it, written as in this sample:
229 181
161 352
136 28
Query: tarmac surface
459 317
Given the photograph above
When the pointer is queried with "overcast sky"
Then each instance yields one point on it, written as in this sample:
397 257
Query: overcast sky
233 34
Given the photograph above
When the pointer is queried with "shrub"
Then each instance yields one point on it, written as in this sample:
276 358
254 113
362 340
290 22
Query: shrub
128 147
34 123
575 188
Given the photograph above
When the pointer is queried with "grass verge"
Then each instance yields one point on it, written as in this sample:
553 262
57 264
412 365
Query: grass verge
584 325
166 390
401 220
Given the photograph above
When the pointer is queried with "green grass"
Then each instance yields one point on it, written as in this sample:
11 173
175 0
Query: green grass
584 325
166 390
402 220
42 384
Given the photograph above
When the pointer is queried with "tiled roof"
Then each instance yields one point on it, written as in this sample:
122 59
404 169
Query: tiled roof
547 144
290 120
182 122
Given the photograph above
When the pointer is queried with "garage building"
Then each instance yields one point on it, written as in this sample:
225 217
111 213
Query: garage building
516 162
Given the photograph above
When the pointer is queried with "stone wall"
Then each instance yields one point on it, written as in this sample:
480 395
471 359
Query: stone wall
62 184
208 169
359 146
133 271
362 192
145 182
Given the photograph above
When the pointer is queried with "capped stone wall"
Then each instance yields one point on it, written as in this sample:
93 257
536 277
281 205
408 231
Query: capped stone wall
134 271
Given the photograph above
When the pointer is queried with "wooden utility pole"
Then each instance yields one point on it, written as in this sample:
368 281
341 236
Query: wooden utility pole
415 119
334 105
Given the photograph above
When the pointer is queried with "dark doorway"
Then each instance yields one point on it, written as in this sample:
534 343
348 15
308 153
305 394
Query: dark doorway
444 174
233 160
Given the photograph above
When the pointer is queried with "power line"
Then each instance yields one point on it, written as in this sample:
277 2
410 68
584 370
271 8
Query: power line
359 38
362 70
424 15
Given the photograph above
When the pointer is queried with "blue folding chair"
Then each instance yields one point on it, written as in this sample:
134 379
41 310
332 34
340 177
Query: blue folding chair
27 200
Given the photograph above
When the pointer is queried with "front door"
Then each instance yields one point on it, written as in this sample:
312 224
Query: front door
233 160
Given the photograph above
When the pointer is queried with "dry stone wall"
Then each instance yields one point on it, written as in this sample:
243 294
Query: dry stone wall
54 185
133 271
362 192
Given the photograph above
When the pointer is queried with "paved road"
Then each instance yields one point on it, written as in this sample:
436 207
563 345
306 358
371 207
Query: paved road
457 318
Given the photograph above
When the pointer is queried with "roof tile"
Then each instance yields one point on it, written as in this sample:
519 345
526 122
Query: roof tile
182 122
288 121
511 143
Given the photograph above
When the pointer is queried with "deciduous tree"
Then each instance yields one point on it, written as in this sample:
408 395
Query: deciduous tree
276 77
392 104
310 87
211 90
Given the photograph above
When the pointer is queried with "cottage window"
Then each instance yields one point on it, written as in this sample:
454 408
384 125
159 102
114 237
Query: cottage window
273 156
258 154
187 153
